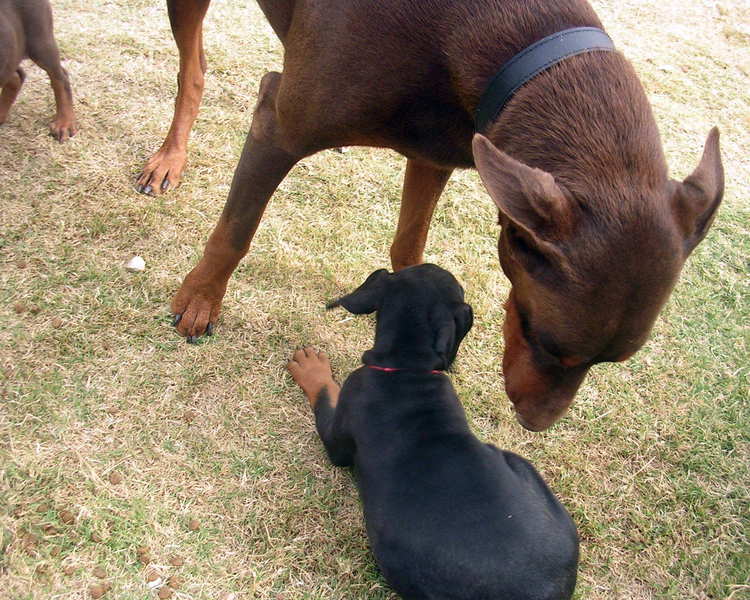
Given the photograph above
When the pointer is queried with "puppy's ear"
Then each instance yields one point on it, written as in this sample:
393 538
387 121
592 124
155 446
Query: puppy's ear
464 316
367 297
454 323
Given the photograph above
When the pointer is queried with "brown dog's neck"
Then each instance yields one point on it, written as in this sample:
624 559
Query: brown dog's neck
543 124
484 36
618 148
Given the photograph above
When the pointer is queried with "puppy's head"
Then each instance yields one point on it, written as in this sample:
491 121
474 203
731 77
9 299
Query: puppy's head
421 316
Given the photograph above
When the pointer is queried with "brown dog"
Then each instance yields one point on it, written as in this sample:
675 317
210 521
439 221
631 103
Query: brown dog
26 32
594 233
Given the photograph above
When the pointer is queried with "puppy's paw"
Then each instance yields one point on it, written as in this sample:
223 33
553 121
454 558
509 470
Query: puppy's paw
311 370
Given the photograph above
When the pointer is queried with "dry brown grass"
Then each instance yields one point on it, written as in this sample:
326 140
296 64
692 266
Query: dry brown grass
652 461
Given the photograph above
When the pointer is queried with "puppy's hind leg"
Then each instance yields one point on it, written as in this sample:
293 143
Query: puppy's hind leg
47 56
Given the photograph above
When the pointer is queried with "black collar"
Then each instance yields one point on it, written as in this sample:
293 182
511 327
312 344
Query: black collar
531 61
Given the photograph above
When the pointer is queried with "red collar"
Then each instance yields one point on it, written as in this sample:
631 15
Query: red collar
395 369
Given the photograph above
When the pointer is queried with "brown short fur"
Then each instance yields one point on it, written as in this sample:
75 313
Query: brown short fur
594 233
26 32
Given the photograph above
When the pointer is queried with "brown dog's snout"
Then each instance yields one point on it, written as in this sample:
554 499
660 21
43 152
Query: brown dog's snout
539 397
522 422
537 402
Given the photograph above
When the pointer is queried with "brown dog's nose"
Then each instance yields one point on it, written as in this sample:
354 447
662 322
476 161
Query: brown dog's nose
528 426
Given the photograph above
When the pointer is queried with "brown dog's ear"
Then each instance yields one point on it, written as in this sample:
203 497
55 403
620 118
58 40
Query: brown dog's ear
367 297
529 197
695 200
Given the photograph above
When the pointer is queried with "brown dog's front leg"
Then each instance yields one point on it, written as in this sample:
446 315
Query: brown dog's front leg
423 184
263 165
164 169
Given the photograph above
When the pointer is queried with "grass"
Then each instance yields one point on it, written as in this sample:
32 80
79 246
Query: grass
652 460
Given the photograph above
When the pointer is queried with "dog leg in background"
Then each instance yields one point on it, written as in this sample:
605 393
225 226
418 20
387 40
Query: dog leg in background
164 169
311 370
263 165
42 49
64 125
9 93
423 184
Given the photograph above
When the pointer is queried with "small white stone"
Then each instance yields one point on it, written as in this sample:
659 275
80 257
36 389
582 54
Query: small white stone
155 583
135 264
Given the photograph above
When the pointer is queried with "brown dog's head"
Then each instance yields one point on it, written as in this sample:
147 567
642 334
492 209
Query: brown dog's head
589 275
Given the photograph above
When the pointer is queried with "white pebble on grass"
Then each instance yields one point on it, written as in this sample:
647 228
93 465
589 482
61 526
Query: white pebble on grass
135 264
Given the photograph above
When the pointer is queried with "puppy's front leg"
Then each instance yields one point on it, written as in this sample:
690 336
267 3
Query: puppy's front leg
312 372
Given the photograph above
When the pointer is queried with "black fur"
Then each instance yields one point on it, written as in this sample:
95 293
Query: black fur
448 517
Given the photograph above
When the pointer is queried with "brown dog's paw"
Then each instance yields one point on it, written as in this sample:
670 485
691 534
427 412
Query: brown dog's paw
63 128
196 307
162 172
311 370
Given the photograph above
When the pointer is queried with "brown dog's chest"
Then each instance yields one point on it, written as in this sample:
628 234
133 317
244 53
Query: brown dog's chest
439 134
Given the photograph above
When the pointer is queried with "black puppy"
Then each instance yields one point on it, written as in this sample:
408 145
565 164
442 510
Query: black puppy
448 517
26 32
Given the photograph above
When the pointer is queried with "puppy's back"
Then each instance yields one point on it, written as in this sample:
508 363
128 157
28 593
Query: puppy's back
478 524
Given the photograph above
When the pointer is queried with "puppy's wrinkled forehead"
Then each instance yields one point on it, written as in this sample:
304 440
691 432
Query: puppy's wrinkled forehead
428 282
418 288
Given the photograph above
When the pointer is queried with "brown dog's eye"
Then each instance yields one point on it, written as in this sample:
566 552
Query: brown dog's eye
546 348
524 250
571 361
550 348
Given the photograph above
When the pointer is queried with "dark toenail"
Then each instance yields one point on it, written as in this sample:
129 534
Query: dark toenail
165 184
140 189
176 319
148 189
191 339
210 329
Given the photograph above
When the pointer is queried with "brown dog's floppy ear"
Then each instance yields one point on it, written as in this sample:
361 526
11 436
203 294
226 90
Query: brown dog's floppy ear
529 197
367 297
695 200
